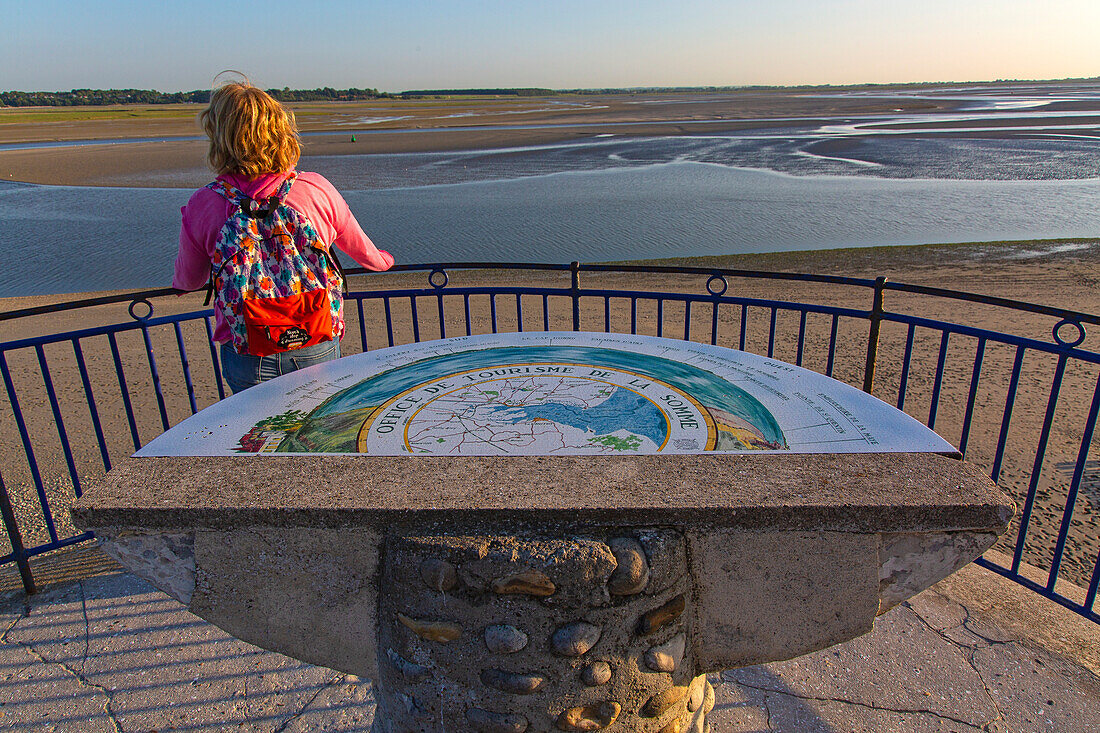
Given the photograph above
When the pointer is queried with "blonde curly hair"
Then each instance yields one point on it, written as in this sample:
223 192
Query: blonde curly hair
250 133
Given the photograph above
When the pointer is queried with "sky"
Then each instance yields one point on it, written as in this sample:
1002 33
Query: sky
397 45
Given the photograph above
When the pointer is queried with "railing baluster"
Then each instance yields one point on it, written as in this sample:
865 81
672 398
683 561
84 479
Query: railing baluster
519 313
415 319
1006 416
545 313
59 421
28 450
714 323
687 320
660 317
607 314
744 326
1040 455
362 324
493 311
771 333
801 338
214 358
93 411
186 368
154 374
124 389
389 321
832 346
466 305
972 396
941 361
442 320
906 360
1074 487
15 539
634 315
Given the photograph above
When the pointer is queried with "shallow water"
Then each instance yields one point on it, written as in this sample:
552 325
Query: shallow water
792 186
69 239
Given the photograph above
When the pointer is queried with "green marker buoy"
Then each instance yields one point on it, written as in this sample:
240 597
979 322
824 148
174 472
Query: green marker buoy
353 138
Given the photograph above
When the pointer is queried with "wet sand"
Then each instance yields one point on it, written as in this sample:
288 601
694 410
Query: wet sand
401 126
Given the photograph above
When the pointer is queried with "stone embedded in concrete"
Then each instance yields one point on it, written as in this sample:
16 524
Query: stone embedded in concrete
666 556
632 571
912 562
408 670
438 574
575 639
486 721
696 692
504 639
441 631
674 726
660 617
666 657
596 716
166 560
511 682
660 703
777 595
528 582
596 674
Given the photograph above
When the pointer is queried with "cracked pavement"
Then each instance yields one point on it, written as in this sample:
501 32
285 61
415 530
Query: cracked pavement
109 653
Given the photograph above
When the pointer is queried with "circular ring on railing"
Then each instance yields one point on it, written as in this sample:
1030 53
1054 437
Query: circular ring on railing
433 283
710 285
144 302
1066 322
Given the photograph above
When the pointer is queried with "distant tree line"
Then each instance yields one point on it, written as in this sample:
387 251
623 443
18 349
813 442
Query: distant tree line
328 94
150 96
525 92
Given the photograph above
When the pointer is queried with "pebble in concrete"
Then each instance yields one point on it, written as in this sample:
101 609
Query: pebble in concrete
504 639
696 692
666 657
631 574
663 700
674 726
516 684
529 582
662 616
575 639
485 721
441 631
596 674
591 717
438 574
409 670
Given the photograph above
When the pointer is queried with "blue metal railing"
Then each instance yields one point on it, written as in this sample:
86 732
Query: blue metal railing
79 399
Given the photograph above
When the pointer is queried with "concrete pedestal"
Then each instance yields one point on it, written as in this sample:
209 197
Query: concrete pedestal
540 594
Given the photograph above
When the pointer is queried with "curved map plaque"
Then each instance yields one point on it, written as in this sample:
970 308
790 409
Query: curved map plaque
549 394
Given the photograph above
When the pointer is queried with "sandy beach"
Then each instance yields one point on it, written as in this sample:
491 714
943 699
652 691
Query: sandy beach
398 126
1055 273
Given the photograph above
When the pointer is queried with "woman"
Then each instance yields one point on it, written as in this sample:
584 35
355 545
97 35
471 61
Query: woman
253 150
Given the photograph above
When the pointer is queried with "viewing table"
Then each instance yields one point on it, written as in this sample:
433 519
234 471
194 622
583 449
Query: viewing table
544 592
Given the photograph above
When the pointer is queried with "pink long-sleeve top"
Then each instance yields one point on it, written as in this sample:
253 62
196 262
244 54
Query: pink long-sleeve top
206 213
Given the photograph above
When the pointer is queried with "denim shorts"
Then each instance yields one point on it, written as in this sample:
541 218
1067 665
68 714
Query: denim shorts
242 371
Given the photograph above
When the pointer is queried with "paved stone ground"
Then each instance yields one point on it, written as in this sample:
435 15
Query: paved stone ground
103 651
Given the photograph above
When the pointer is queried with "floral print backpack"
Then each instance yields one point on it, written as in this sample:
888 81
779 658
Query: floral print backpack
277 285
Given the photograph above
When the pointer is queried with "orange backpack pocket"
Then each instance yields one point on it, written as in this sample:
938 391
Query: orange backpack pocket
290 322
